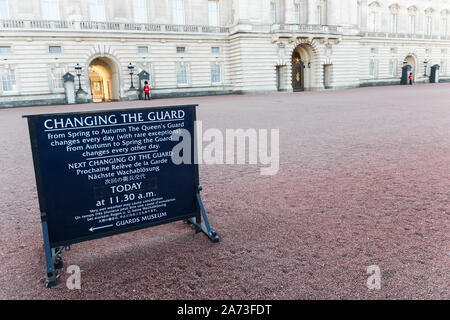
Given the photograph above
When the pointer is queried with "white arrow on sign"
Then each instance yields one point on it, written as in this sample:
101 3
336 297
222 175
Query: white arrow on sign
92 228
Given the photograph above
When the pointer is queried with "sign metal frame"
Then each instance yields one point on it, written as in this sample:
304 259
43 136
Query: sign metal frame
53 251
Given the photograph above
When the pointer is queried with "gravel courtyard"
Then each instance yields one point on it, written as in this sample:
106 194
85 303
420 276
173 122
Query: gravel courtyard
364 180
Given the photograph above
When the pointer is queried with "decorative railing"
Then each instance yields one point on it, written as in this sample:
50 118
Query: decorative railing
15 24
309 28
108 26
409 36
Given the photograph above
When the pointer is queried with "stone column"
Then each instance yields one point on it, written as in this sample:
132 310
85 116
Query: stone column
289 11
352 12
334 12
312 4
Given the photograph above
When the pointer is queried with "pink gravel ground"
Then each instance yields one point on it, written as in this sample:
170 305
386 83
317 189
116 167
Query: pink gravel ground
363 180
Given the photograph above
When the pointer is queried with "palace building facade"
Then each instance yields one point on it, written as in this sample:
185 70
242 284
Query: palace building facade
198 47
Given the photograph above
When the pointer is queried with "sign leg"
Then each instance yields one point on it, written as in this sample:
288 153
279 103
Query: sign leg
50 273
203 227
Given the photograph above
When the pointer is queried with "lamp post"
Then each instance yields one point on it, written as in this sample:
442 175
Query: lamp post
131 71
425 66
78 69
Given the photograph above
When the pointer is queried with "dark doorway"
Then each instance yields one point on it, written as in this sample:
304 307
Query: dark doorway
298 71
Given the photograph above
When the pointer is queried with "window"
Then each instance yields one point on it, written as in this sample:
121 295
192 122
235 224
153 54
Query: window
319 15
181 50
178 11
372 69
215 50
296 13
97 10
143 50
444 27
373 22
394 23
182 75
140 11
50 9
412 24
213 13
428 25
8 81
373 50
4 12
442 68
215 73
54 49
273 13
57 78
5 50
392 67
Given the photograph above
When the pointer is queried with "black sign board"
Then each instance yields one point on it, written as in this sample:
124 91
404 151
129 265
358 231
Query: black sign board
102 173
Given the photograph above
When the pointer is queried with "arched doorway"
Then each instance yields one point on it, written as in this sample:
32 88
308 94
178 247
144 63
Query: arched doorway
103 80
301 67
298 72
411 61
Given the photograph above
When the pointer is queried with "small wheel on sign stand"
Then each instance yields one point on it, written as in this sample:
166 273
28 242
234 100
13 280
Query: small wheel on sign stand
214 237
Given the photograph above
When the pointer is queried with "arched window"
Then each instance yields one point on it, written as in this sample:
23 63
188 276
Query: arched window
393 11
429 21
412 12
273 12
319 15
296 12
374 16
320 12
444 22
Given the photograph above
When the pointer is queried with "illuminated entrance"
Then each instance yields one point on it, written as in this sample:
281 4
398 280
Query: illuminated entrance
302 67
103 79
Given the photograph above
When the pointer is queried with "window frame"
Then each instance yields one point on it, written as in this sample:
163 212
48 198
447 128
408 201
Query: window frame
428 25
91 5
15 86
412 24
218 67
216 19
55 46
141 47
273 12
51 4
394 22
143 10
178 12
6 46
184 66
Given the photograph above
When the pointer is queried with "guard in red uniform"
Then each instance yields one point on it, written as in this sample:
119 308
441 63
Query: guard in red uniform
146 90
410 78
